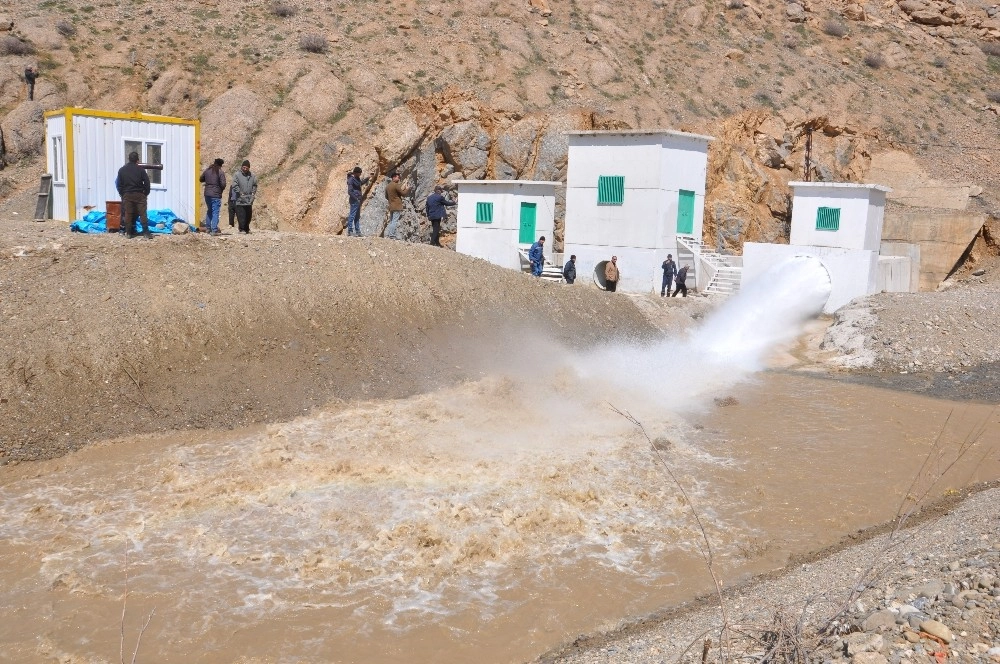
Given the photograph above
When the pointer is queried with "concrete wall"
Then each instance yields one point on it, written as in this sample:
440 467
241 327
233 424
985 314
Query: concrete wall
860 224
853 272
497 242
943 236
910 251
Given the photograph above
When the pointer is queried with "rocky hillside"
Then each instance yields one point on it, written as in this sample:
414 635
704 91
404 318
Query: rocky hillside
483 88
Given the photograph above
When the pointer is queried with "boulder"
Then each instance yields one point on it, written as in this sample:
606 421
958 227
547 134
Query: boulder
399 137
295 196
276 137
930 17
229 121
466 146
910 6
23 131
795 13
855 12
515 147
317 96
693 16
601 72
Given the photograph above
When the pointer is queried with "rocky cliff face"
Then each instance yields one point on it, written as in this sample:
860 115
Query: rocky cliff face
484 89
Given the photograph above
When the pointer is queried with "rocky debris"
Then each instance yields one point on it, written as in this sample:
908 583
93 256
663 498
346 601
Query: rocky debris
795 13
23 131
933 597
947 332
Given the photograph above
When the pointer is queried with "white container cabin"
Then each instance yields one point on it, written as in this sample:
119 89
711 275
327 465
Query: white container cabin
496 218
84 149
630 194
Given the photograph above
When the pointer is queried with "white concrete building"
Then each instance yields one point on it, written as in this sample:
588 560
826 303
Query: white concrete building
498 217
841 224
630 193
84 149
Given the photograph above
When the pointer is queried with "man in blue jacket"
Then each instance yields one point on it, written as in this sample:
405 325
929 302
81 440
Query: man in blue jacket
354 184
537 256
436 212
669 270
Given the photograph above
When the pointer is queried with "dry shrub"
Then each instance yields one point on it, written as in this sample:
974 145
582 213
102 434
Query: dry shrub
65 28
313 43
993 96
874 60
283 10
990 48
735 4
11 45
834 28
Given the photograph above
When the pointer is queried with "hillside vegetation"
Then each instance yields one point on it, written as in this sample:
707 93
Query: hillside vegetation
484 88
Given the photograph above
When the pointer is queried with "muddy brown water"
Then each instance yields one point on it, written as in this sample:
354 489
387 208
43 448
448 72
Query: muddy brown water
489 521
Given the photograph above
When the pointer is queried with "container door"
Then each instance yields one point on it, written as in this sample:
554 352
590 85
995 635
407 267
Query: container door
685 213
527 234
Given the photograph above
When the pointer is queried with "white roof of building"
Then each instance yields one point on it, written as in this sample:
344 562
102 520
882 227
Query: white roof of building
841 185
640 132
554 184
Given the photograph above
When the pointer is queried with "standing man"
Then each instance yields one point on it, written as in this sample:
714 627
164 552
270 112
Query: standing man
133 188
245 188
436 211
354 184
682 275
537 256
29 77
215 183
669 270
394 192
569 271
611 275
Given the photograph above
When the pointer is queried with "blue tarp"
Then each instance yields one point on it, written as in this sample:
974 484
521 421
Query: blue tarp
95 221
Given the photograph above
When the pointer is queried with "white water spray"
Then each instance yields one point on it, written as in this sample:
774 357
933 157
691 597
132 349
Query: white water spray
734 341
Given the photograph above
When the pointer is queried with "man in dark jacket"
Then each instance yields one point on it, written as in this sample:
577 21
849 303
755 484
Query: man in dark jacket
569 271
29 77
133 187
669 270
436 204
354 184
680 279
215 183
245 184
537 256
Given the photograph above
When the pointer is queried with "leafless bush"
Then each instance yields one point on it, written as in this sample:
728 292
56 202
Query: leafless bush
65 28
939 62
990 48
993 96
283 9
874 60
313 43
734 4
834 28
11 45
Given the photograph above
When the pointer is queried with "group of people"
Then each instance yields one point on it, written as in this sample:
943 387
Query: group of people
436 206
671 274
242 193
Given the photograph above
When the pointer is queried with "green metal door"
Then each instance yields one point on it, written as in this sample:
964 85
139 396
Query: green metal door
685 212
527 234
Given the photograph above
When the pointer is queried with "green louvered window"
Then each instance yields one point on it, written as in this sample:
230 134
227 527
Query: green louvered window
828 219
484 213
610 189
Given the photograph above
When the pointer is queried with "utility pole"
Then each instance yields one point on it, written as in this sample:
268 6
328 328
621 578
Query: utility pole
807 175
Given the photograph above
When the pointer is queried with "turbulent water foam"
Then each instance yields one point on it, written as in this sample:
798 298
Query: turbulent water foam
400 512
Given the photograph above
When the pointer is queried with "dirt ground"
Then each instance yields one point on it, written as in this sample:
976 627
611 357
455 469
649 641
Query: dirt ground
106 336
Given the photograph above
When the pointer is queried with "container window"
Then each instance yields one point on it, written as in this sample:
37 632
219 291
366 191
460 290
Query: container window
610 190
58 160
828 219
484 213
150 152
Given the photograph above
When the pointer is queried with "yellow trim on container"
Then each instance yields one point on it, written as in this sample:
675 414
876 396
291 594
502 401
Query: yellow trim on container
70 171
197 182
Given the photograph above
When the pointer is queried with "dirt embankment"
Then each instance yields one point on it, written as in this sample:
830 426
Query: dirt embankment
107 337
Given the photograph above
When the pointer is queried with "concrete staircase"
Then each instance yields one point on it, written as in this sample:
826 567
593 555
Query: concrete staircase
715 273
550 272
